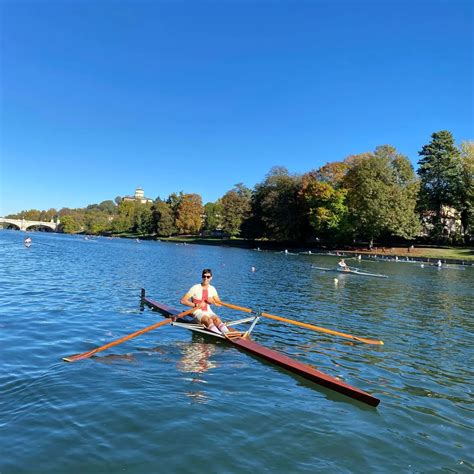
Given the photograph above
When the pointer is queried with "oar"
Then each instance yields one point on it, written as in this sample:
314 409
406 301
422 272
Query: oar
86 355
304 325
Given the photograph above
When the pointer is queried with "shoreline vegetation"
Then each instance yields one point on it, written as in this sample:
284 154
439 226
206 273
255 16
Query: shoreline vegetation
363 202
448 254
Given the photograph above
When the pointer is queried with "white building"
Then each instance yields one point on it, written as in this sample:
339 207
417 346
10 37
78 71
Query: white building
139 196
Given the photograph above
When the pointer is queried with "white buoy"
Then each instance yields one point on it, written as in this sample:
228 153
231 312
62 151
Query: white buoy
336 281
422 265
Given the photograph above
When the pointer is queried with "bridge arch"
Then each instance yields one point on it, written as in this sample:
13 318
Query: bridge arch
24 224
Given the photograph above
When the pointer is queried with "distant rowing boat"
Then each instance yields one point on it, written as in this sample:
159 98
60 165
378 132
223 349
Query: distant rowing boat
353 271
242 341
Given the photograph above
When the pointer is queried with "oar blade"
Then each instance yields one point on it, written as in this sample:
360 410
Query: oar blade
74 357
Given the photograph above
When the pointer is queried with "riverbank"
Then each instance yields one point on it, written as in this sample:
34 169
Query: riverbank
455 255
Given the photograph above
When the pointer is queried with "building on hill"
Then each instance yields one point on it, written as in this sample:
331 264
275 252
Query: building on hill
139 196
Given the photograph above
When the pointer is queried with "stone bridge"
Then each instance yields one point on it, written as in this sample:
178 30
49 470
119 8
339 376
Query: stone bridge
24 224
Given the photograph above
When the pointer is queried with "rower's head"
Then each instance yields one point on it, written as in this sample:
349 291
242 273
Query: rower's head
207 275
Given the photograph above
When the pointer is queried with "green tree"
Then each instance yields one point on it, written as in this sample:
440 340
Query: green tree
236 207
71 224
440 174
213 216
381 195
143 219
467 188
96 221
109 207
125 219
276 213
163 218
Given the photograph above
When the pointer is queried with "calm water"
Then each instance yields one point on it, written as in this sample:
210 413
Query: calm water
172 402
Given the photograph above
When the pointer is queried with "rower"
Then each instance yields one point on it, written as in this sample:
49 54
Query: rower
201 296
343 265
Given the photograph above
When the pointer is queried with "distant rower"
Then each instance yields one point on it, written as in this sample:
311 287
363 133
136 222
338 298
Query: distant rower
343 265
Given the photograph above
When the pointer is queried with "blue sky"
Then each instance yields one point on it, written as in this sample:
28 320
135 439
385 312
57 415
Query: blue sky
99 97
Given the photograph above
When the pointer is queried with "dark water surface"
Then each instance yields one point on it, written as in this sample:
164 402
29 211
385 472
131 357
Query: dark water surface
172 402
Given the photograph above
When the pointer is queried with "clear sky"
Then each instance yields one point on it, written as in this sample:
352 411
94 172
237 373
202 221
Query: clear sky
99 97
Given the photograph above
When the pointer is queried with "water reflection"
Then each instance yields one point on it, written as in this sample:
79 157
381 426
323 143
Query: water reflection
196 358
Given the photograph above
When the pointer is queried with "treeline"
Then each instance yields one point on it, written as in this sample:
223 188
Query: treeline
370 196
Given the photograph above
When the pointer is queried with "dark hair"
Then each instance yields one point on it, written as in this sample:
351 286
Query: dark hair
207 270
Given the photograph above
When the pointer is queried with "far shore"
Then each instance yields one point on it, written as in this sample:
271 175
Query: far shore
454 255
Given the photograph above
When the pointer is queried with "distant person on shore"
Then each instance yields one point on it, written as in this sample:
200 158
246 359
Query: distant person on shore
201 296
343 265
27 241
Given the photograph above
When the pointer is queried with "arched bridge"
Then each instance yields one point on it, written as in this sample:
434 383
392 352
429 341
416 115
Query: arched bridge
24 224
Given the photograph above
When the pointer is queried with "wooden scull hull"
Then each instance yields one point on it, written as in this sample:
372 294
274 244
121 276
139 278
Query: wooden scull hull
277 358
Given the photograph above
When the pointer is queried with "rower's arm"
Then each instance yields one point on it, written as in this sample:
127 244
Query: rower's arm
215 300
186 300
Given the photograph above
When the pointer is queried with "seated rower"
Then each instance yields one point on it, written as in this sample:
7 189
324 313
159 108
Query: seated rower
343 265
201 296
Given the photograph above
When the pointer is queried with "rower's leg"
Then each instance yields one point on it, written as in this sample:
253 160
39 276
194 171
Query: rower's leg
220 325
209 323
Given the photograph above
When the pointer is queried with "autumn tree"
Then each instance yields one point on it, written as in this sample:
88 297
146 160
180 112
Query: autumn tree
325 204
189 214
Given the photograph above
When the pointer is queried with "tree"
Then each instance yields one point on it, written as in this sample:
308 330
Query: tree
124 221
109 207
467 188
325 205
96 221
213 216
331 173
236 207
189 214
275 206
71 224
381 195
163 218
143 219
440 173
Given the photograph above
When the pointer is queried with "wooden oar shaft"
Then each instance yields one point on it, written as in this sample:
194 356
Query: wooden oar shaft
86 355
305 325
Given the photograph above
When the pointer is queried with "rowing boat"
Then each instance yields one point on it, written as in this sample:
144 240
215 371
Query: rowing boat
243 342
352 270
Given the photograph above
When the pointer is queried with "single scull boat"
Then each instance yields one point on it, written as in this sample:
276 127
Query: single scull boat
243 342
353 271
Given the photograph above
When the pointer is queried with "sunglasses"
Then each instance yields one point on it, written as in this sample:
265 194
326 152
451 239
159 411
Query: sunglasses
207 276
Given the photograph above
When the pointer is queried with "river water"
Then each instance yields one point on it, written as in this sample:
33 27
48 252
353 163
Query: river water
169 401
